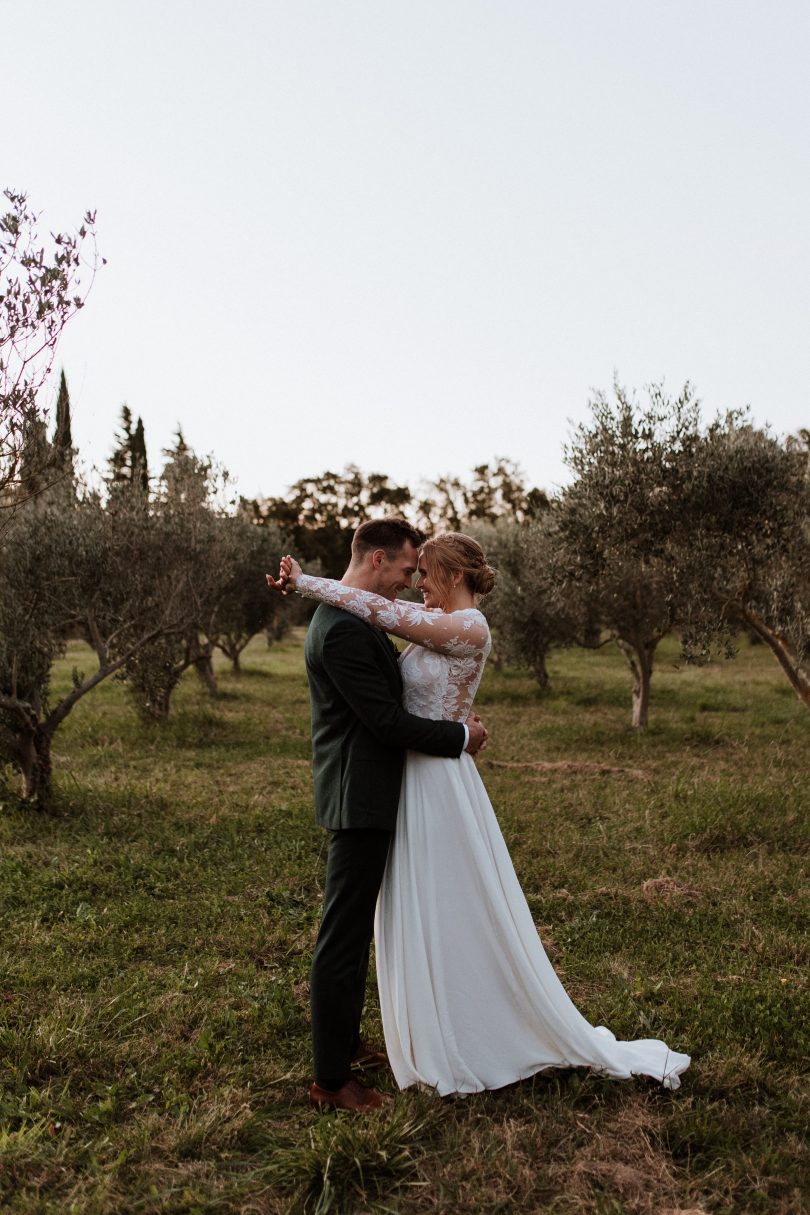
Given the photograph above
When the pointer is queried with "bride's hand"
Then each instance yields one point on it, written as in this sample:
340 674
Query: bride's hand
289 571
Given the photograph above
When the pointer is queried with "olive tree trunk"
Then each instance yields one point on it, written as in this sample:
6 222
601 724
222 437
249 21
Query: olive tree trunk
639 657
232 647
33 754
29 741
199 656
541 671
785 654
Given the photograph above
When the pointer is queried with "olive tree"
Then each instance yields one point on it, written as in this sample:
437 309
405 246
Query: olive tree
222 598
102 572
529 610
246 605
191 522
744 549
615 523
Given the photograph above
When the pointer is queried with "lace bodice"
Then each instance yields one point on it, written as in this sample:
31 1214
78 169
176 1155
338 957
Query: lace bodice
442 669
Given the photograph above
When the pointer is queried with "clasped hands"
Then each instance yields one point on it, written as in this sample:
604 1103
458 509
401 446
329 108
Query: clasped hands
288 572
479 734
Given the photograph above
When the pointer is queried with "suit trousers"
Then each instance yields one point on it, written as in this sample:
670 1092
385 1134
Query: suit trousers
354 873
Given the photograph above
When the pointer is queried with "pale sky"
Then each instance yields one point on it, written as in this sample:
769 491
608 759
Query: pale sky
415 235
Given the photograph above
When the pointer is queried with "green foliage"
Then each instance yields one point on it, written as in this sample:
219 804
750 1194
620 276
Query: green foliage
614 523
219 562
194 549
319 514
498 492
152 674
128 462
666 525
34 562
63 450
246 606
116 574
747 554
529 609
494 491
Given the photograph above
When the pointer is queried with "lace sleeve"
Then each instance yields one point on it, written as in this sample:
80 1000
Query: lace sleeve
463 632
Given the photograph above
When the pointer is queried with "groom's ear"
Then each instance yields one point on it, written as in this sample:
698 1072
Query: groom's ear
377 558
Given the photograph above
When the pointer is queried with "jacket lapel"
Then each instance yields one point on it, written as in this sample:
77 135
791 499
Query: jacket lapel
389 649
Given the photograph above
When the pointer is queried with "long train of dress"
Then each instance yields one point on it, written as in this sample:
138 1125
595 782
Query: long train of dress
468 996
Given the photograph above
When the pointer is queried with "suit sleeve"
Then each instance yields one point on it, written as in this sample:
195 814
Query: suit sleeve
351 660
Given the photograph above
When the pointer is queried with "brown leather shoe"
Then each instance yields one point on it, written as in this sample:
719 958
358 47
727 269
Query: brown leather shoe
351 1096
367 1059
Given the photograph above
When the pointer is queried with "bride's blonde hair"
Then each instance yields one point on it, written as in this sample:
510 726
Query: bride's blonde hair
454 553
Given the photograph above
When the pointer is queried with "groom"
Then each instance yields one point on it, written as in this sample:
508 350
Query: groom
360 733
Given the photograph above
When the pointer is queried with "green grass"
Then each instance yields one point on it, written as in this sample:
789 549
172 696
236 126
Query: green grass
158 925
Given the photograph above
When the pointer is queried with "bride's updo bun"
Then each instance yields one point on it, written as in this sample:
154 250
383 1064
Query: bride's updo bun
484 580
451 554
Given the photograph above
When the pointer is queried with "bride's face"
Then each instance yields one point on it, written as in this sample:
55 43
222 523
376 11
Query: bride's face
424 584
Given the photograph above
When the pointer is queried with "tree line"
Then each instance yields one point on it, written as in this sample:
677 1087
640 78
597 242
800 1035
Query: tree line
154 574
320 513
668 524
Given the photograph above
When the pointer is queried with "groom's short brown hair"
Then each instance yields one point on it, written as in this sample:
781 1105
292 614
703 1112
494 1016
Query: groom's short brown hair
389 534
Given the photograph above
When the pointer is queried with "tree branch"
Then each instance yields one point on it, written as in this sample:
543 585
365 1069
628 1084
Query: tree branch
58 714
22 708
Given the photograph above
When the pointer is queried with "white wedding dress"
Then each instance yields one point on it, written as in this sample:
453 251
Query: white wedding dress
469 999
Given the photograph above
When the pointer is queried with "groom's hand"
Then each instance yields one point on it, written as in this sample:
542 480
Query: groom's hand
479 735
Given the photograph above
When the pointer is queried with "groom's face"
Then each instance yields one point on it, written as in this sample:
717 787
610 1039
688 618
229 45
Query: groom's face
394 574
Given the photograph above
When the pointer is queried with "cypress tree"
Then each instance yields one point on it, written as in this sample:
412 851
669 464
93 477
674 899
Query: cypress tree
36 457
63 453
63 438
121 458
140 469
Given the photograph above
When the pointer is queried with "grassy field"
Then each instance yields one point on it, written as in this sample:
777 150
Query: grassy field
157 929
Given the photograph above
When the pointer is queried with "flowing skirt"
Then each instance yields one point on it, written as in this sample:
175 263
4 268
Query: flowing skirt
468 996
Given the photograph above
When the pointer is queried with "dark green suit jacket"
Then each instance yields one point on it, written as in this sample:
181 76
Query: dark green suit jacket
360 731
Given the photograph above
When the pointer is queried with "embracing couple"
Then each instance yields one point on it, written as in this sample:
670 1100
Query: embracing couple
469 999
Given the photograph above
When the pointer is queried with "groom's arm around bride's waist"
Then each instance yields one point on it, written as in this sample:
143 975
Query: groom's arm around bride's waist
351 660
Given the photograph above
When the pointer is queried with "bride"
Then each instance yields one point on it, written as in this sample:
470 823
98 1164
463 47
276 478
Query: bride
469 999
